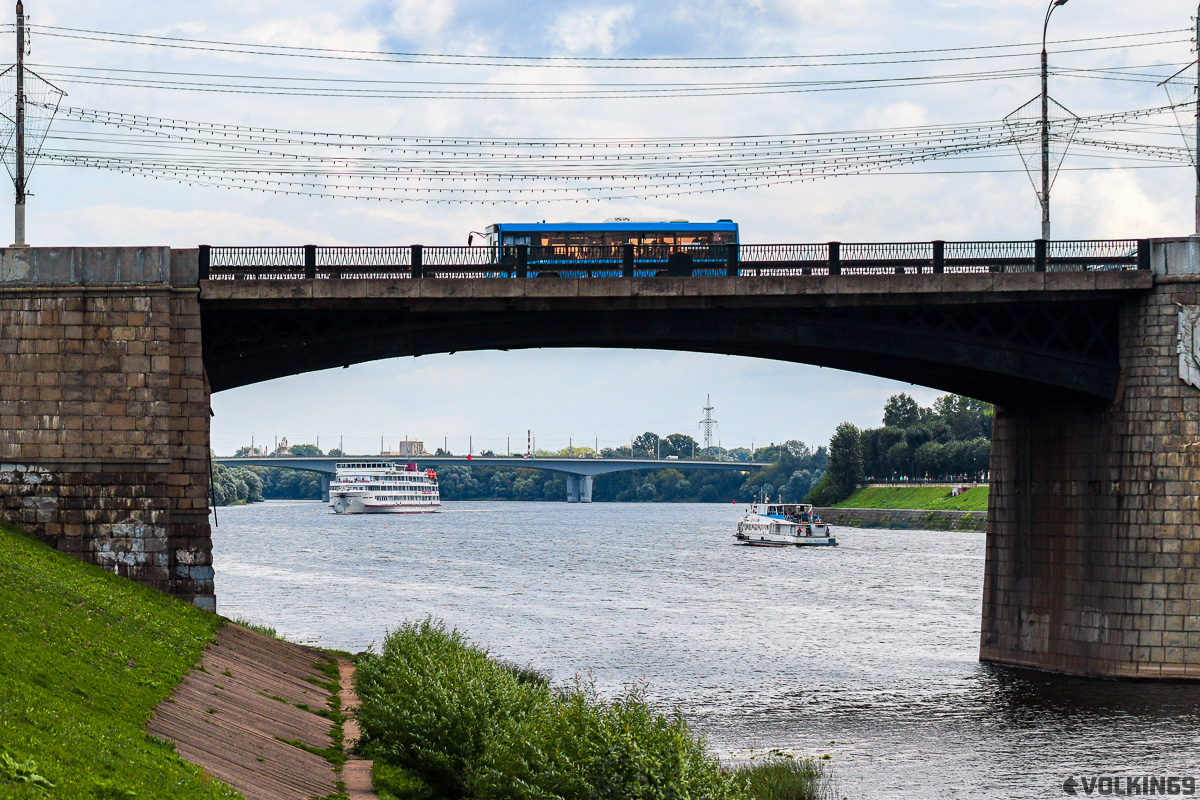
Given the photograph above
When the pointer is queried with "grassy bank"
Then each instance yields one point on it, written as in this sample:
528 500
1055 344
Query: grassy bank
442 719
929 498
84 658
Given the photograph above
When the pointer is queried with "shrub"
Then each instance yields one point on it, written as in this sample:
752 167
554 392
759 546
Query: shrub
448 721
580 747
782 777
430 702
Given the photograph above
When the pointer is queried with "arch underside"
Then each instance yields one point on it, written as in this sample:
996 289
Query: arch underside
1001 353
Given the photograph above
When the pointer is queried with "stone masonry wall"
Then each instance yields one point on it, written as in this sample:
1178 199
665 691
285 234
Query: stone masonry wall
1093 550
104 412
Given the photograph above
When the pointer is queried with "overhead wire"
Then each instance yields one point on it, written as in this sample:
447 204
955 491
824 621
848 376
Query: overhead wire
555 61
466 169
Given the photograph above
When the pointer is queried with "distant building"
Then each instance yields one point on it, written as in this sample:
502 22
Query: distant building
408 449
282 449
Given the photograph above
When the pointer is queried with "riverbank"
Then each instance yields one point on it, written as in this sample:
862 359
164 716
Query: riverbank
941 497
905 519
84 658
931 508
112 690
259 714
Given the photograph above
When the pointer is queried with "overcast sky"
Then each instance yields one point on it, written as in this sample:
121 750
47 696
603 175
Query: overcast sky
606 394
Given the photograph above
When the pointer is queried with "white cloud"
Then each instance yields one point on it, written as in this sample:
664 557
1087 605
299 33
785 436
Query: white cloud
611 392
421 18
112 224
594 31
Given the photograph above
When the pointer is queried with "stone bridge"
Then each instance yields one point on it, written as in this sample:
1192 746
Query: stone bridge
107 358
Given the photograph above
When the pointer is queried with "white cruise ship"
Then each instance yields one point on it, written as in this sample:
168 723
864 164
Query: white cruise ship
383 487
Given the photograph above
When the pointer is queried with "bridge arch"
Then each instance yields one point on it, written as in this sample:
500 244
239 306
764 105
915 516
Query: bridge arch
1001 338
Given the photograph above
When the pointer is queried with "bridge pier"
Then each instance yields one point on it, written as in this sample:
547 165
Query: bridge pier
325 481
579 488
104 411
1093 544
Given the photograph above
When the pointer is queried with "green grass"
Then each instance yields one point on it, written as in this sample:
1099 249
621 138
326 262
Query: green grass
84 658
929 498
443 721
265 630
781 776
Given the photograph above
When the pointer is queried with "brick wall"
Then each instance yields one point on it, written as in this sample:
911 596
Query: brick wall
104 414
1093 528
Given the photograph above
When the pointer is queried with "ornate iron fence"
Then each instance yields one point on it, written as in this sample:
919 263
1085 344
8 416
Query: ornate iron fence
755 260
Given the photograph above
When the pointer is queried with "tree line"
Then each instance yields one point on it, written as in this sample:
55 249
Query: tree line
949 440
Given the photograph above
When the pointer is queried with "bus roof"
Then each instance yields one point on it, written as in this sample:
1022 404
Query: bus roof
538 227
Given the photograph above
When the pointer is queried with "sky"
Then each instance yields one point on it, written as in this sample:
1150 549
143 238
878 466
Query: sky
485 399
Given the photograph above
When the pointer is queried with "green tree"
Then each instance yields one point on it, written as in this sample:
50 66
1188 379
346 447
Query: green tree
678 444
966 418
306 450
646 445
845 466
901 411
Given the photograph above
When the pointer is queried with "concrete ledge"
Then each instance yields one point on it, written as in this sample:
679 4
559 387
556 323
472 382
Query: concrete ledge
84 265
788 291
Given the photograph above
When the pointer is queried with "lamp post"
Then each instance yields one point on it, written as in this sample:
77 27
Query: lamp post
1046 125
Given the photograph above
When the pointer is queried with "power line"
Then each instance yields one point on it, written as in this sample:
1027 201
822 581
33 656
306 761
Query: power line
556 61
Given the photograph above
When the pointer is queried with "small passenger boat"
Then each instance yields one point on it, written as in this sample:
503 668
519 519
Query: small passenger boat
783 525
383 487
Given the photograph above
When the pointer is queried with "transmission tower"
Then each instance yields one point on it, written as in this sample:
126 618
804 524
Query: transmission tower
708 424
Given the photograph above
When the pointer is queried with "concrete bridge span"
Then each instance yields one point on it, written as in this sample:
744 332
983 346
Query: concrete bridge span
579 471
107 358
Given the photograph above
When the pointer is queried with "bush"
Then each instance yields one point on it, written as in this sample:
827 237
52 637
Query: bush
782 777
448 721
580 747
431 702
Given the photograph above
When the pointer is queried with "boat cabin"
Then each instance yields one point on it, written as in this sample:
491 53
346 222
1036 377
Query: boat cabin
791 512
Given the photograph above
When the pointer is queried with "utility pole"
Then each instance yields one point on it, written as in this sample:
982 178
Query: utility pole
1197 154
1046 125
19 219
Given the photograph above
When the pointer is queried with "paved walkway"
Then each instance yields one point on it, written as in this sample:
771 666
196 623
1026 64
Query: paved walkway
357 771
228 712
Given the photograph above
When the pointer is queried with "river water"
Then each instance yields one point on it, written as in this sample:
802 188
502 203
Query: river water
866 652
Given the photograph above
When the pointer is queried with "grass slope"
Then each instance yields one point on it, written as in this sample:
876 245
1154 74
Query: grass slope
929 498
84 657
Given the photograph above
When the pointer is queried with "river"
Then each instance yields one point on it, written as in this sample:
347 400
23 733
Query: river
867 652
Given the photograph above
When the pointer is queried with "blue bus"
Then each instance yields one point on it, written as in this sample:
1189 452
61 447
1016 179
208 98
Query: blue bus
577 249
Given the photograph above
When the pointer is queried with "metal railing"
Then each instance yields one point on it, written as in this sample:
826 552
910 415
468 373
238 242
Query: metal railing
628 260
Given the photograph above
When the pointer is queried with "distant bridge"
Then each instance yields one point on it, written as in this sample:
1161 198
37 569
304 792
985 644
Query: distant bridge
579 471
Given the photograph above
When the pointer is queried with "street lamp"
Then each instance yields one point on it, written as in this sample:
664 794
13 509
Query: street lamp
1046 126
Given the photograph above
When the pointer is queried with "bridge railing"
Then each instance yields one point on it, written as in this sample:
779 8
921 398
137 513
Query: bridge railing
648 260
